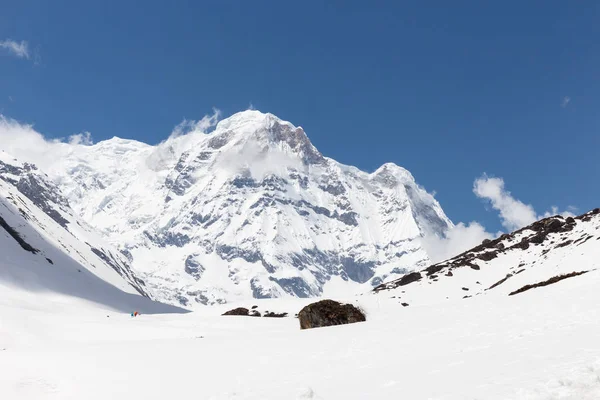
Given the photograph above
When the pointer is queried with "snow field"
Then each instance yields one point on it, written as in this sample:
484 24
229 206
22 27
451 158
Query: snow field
541 344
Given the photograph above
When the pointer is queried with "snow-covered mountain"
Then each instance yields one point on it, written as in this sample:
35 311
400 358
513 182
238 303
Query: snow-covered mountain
45 247
251 209
541 254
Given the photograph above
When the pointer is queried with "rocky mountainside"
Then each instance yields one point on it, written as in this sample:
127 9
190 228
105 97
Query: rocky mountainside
543 253
251 209
45 247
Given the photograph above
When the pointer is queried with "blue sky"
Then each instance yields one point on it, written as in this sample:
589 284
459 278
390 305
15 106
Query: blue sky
449 90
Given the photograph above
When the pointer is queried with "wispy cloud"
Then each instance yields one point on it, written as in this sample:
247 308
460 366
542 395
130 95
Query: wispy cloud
565 101
18 49
569 212
204 125
26 144
514 214
83 138
459 238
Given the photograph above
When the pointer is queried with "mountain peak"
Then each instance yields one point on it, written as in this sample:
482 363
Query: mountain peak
122 143
391 175
268 130
250 120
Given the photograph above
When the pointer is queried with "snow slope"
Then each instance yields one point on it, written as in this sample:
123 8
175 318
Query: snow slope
251 209
546 250
539 345
47 252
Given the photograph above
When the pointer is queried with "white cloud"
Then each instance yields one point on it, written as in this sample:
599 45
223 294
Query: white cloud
19 49
565 102
83 138
23 142
204 125
570 212
170 149
514 214
457 240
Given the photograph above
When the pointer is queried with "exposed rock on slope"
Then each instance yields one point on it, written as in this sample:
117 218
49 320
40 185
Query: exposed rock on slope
253 312
540 254
550 281
243 312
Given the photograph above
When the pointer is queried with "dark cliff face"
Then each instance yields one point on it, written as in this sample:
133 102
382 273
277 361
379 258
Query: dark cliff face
38 188
297 140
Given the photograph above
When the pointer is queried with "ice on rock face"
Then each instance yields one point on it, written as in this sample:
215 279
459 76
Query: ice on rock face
260 211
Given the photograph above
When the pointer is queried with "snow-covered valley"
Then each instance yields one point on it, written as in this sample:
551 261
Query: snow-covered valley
120 226
542 344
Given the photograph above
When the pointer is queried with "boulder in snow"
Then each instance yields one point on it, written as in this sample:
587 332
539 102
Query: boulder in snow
243 311
329 313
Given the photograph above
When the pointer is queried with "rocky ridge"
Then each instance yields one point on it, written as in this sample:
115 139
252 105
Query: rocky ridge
545 252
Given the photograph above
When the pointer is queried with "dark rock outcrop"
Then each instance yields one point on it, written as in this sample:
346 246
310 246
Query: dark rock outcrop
237 311
271 314
500 282
15 235
547 282
193 267
243 312
405 280
523 244
329 313
490 255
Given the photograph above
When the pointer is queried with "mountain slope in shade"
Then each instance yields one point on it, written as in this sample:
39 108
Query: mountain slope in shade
544 253
251 209
45 249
